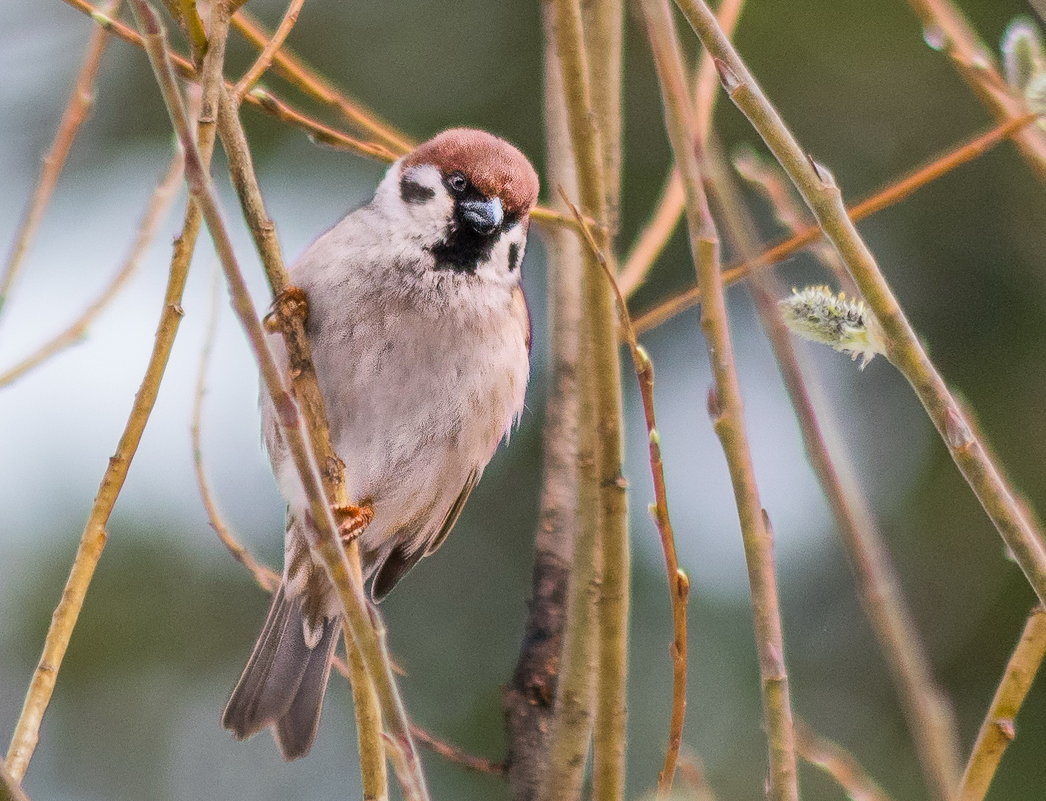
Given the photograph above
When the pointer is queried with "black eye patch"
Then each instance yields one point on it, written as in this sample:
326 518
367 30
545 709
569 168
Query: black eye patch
413 192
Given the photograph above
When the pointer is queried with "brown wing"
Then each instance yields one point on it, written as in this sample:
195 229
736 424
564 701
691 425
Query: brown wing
402 559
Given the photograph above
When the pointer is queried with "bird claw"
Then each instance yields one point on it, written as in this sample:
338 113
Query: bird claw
352 520
288 305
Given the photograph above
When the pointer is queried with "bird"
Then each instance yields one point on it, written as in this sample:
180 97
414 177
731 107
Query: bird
420 336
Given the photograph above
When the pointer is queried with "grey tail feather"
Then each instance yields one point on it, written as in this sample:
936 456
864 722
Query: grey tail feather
284 681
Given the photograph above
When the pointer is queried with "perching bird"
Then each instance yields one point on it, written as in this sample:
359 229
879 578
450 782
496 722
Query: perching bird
420 336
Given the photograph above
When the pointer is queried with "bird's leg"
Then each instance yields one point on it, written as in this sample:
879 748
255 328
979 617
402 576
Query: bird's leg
288 305
352 520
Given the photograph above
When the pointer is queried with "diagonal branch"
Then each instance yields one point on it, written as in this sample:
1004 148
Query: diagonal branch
76 110
903 348
92 541
270 50
998 731
892 194
364 624
929 717
156 209
975 64
669 209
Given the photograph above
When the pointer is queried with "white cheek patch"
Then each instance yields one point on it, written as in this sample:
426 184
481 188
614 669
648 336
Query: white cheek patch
421 200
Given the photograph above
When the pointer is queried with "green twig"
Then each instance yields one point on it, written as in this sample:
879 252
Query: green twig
310 399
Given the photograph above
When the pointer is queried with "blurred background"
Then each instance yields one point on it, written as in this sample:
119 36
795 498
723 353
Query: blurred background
170 617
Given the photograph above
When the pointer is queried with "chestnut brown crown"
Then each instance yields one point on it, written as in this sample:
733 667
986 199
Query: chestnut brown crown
492 165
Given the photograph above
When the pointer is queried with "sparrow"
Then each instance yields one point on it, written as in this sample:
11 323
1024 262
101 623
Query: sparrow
420 337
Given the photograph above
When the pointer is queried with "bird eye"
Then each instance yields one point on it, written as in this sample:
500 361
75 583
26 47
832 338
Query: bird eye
457 182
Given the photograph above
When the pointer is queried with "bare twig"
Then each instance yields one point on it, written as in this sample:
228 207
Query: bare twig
269 51
313 84
185 68
903 348
75 113
998 730
892 194
669 209
930 720
156 210
456 755
364 624
92 541
838 763
529 696
726 408
943 21
265 577
270 103
317 131
678 583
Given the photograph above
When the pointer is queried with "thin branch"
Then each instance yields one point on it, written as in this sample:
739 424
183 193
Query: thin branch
264 576
726 409
530 695
456 755
892 194
838 763
270 50
997 731
156 210
364 624
92 541
942 21
75 113
929 716
903 347
678 583
271 104
318 132
313 84
669 209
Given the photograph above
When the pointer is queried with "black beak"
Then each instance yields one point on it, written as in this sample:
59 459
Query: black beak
482 215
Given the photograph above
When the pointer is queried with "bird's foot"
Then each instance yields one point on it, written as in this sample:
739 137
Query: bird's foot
289 305
352 520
